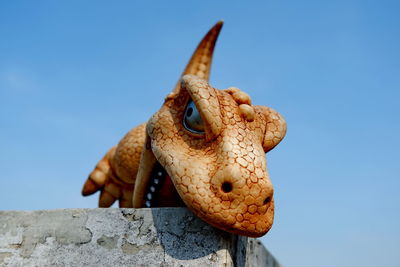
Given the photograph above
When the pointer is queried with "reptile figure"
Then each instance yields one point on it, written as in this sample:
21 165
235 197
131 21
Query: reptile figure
204 149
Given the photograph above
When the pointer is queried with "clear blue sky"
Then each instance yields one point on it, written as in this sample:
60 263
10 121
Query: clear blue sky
75 76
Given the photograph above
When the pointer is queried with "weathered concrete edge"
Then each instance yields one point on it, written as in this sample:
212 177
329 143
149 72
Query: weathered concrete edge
172 236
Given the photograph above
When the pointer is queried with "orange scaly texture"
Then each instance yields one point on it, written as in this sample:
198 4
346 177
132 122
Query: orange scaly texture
220 174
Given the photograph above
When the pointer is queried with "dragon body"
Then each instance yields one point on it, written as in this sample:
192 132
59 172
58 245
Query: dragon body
204 149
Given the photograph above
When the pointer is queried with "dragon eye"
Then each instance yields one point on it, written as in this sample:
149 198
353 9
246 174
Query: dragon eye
192 120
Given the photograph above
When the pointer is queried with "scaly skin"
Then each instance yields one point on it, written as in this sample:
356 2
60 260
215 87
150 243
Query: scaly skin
220 174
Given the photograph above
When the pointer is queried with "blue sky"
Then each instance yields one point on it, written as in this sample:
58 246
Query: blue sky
75 76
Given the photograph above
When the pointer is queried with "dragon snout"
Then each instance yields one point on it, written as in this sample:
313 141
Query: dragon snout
233 183
244 201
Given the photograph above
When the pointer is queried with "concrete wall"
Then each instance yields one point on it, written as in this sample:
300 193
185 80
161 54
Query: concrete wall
121 237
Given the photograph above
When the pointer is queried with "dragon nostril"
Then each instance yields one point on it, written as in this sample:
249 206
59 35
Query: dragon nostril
226 187
267 200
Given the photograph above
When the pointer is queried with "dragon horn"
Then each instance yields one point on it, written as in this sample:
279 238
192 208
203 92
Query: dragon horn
200 62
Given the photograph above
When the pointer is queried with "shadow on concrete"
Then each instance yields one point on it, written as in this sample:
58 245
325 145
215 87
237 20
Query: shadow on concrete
185 237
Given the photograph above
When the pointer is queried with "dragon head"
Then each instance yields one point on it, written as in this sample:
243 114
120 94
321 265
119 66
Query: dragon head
211 145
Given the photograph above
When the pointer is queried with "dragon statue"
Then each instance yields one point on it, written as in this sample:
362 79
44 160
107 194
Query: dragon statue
204 149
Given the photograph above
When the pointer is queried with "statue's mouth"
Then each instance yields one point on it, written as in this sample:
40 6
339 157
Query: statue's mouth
161 191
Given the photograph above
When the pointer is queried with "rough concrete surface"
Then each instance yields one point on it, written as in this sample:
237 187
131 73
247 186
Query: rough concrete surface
122 237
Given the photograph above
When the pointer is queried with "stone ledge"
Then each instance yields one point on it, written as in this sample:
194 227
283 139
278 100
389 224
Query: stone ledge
122 237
